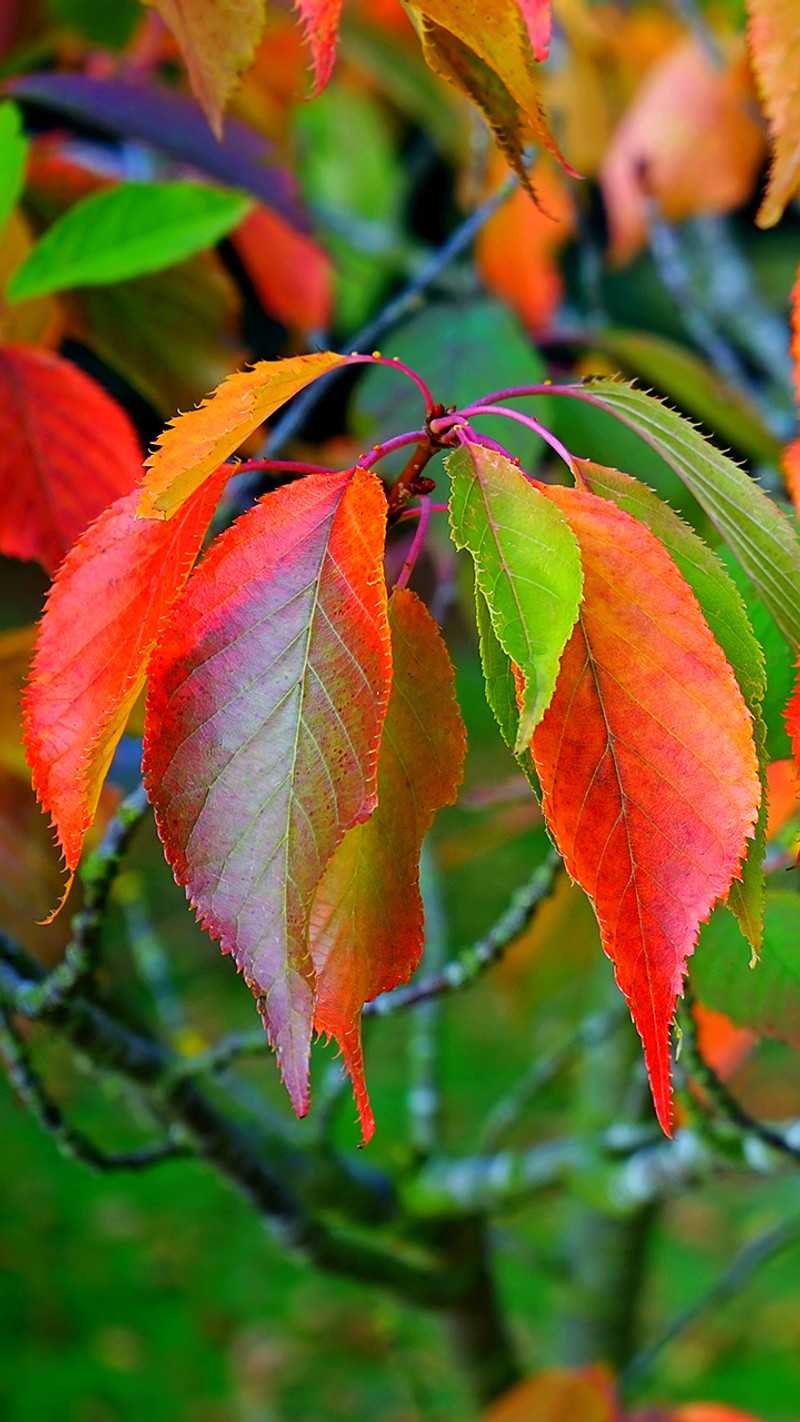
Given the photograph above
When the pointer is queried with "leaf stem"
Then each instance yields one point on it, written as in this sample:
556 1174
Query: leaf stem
491 409
417 542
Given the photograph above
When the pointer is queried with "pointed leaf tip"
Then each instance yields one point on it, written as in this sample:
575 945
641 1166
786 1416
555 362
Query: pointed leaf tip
646 760
366 923
264 716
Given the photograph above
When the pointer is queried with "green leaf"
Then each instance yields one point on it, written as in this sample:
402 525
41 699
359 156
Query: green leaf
124 232
13 154
695 386
751 524
501 692
527 566
727 617
766 997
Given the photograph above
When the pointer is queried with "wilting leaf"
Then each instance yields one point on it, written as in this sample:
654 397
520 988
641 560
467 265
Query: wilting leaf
646 760
774 35
764 998
527 567
66 451
321 21
104 613
125 231
726 615
366 925
751 524
195 443
217 39
264 715
13 153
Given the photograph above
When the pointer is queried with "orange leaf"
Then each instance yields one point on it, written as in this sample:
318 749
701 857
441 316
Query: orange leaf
194 444
264 714
292 276
104 613
366 923
321 21
515 249
723 1045
646 760
218 40
774 36
689 140
67 450
557 1395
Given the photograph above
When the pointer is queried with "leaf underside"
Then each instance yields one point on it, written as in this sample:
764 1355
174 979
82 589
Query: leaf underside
366 925
648 771
264 715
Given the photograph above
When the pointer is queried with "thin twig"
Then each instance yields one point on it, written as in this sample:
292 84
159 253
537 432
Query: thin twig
472 962
748 1261
423 1093
97 874
71 1142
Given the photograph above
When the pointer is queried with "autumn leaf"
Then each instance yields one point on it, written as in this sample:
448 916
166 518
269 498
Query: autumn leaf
321 22
194 444
218 40
646 760
774 37
265 707
527 567
538 17
292 276
483 47
104 613
67 450
557 1395
501 687
727 618
366 924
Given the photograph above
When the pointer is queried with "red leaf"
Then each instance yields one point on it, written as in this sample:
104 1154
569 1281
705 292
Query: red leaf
366 924
103 615
264 715
321 21
647 764
292 276
67 450
538 17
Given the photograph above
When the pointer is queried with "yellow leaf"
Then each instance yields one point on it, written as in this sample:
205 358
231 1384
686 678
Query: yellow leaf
774 34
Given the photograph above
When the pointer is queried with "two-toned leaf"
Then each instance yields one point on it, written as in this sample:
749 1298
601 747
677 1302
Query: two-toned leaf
67 450
501 686
194 444
646 760
126 231
218 40
103 616
751 524
527 567
727 618
367 923
265 708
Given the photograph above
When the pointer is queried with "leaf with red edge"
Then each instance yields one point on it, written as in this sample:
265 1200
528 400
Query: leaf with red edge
647 765
194 444
265 709
104 613
67 450
218 40
774 37
538 17
321 21
366 924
